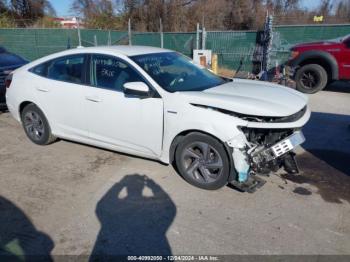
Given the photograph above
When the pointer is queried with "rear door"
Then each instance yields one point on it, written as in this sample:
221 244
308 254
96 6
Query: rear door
128 123
61 93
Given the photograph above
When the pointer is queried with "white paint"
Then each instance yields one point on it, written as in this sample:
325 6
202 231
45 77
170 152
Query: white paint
147 126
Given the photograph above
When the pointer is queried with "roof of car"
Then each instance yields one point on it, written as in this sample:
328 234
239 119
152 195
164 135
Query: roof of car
126 49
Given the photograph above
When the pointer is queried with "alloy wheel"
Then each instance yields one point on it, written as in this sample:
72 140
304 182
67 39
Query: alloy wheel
34 125
202 162
309 79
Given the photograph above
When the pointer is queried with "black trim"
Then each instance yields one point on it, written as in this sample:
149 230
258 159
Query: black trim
233 174
86 69
315 54
263 119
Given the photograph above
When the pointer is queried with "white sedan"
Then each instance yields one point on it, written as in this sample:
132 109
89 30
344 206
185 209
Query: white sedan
158 104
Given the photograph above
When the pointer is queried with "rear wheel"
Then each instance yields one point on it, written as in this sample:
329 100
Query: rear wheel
311 78
202 161
36 125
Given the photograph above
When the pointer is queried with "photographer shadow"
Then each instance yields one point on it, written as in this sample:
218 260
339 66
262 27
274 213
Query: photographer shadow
132 223
19 239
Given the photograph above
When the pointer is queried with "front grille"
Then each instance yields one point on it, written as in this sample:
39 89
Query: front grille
291 118
268 119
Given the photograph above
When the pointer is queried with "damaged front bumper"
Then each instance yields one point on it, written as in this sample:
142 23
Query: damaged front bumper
263 159
266 145
279 149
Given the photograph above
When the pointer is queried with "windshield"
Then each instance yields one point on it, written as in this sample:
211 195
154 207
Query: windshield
175 72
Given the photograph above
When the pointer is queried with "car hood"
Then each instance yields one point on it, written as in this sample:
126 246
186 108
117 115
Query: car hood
250 97
8 60
316 44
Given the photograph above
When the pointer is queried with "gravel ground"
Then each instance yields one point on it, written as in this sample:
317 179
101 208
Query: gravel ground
69 198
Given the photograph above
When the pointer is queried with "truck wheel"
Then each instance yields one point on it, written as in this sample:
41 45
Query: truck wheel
311 78
202 161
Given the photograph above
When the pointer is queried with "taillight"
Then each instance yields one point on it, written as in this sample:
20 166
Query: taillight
8 80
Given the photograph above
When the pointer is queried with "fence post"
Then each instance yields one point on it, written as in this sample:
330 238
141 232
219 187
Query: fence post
109 38
204 36
129 31
95 40
161 33
78 27
36 44
197 37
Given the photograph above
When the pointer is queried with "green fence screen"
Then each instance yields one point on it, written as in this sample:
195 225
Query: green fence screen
231 46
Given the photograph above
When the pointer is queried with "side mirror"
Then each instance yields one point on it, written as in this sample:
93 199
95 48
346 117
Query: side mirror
136 89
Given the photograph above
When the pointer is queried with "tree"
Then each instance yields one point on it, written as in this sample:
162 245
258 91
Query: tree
6 21
26 12
97 13
325 7
343 11
3 7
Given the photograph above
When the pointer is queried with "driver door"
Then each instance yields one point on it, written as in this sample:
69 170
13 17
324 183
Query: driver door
344 60
127 123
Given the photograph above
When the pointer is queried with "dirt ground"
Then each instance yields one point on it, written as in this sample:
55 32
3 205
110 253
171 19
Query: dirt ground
73 199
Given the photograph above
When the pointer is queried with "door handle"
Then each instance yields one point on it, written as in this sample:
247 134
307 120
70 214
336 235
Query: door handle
42 89
93 99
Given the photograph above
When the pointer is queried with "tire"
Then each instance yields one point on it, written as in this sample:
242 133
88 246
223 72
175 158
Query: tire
204 170
311 78
36 126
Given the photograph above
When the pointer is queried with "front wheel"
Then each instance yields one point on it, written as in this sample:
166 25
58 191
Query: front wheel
311 78
202 161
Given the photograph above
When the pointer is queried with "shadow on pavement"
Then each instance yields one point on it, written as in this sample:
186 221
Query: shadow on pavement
328 138
134 221
19 239
339 86
326 162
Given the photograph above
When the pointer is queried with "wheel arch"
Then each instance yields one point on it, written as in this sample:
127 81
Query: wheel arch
324 59
23 104
179 137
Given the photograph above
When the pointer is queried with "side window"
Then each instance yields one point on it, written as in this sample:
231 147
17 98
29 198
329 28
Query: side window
111 73
68 69
40 70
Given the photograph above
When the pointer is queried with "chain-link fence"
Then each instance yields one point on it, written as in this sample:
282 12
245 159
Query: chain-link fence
35 43
231 46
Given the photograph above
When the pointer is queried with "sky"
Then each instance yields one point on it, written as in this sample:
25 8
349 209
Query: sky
63 7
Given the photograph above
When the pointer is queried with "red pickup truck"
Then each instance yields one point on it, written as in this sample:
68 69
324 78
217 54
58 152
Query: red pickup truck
319 63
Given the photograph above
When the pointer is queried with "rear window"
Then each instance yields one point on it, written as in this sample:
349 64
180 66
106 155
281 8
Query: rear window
66 69
40 70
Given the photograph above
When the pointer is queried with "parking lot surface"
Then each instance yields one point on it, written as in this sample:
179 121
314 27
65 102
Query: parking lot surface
68 198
